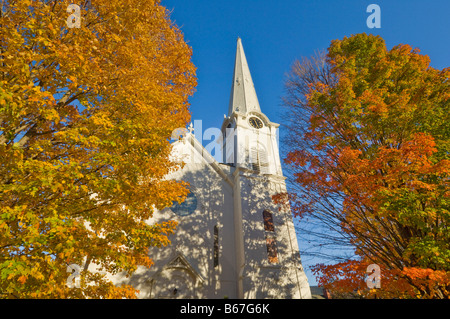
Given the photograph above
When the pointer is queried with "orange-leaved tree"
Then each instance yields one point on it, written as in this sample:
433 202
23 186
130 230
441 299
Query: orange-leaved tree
88 101
369 140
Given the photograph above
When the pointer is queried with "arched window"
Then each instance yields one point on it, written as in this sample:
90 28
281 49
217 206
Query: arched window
272 252
268 221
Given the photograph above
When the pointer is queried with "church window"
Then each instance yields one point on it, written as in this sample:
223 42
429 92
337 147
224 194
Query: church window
216 246
268 221
187 207
269 227
272 250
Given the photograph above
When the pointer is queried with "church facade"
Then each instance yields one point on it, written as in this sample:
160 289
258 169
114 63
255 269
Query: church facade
231 241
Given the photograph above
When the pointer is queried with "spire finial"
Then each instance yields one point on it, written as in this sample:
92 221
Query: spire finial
191 128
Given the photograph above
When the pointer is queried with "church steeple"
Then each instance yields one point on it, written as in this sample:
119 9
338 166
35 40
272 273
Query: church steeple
243 97
250 138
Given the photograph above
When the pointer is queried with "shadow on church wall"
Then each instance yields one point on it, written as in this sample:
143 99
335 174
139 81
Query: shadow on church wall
186 268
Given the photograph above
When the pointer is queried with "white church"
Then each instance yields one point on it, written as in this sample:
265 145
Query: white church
231 241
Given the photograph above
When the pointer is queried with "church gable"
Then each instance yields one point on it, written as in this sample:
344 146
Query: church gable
177 279
180 262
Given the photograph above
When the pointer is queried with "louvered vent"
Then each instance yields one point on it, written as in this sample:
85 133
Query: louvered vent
259 160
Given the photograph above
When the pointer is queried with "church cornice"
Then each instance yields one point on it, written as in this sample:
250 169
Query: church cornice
251 174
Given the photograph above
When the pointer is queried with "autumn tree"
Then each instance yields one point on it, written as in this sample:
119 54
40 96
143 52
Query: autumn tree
86 114
369 140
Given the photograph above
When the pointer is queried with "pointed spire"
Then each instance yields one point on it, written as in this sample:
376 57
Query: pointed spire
243 95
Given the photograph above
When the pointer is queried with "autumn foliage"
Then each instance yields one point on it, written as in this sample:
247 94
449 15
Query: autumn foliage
373 157
86 116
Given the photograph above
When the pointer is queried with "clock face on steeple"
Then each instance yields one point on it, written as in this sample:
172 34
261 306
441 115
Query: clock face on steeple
255 122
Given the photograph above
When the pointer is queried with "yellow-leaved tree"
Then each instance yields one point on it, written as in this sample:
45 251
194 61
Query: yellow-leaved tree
88 101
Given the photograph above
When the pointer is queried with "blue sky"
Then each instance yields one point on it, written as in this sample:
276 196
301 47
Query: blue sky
275 33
